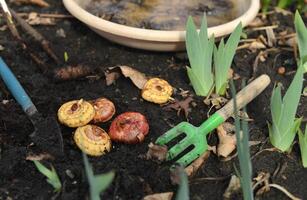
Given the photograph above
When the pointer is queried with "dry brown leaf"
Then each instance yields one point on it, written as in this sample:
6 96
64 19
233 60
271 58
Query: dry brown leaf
156 152
39 157
139 79
183 105
227 140
233 187
40 3
195 165
216 101
160 196
257 22
35 19
111 77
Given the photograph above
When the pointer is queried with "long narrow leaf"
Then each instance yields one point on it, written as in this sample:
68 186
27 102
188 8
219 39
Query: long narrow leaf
242 137
303 146
199 50
284 3
301 32
183 190
223 59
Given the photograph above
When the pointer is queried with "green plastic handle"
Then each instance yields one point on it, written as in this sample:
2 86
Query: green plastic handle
210 124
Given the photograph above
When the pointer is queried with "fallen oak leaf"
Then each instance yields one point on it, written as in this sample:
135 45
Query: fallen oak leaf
181 105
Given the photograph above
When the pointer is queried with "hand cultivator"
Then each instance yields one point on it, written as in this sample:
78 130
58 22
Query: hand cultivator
196 136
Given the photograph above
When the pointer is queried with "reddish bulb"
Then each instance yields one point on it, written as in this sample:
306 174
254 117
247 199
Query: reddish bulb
129 127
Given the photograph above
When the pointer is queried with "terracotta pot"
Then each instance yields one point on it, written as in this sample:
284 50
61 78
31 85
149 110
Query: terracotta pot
155 40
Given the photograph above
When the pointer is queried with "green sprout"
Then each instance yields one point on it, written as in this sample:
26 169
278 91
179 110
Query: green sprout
242 136
284 124
66 57
201 50
223 56
301 34
52 177
98 183
303 145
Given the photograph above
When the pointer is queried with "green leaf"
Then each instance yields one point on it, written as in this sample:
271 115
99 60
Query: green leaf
52 177
284 125
97 183
183 191
103 181
301 32
303 145
223 58
265 5
199 49
284 3
283 140
242 137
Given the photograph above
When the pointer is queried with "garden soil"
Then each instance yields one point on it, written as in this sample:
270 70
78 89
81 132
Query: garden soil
136 177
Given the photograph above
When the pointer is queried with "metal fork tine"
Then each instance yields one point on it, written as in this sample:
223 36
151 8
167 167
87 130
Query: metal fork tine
172 133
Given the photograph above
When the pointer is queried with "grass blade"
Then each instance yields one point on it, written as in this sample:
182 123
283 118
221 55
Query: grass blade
183 190
242 136
303 146
301 32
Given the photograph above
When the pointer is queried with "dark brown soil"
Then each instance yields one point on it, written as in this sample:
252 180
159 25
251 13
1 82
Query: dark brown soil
135 176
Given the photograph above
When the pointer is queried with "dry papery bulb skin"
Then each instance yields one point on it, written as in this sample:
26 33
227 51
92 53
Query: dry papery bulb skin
92 140
76 113
129 128
104 110
157 90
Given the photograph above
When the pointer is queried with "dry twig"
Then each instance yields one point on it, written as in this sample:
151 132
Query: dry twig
37 36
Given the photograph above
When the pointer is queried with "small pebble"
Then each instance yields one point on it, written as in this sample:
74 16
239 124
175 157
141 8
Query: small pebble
281 70
1 48
61 33
69 173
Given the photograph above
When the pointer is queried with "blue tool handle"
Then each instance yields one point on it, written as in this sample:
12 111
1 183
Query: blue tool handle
16 89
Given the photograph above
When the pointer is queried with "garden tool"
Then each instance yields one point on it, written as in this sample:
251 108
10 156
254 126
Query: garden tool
47 134
196 136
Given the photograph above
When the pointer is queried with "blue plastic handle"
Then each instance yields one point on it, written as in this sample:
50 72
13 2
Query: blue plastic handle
15 88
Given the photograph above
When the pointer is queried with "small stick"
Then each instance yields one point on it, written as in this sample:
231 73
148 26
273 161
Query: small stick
10 23
36 35
46 15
